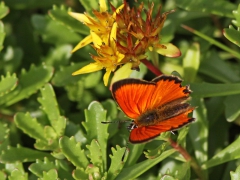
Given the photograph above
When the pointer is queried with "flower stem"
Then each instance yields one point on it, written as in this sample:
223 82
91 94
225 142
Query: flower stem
188 158
151 67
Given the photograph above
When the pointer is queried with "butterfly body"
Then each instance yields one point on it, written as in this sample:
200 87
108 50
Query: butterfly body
155 106
156 116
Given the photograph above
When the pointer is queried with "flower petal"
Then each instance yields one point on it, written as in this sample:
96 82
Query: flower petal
103 5
87 40
106 76
169 51
92 67
118 11
97 41
79 16
113 36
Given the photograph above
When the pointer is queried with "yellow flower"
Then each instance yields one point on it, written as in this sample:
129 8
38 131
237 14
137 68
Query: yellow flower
123 37
108 56
101 25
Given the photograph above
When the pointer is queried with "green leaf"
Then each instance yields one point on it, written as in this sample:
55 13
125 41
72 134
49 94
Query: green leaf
213 90
94 5
95 154
135 152
112 112
222 72
46 137
168 177
91 80
236 14
235 175
183 171
220 8
111 108
198 130
50 106
48 29
9 167
4 132
73 152
7 83
2 35
95 114
59 56
3 175
182 134
215 109
172 23
61 15
75 130
30 126
50 175
230 153
191 62
93 171
29 82
175 169
52 143
79 173
40 166
153 153
232 107
15 154
11 59
64 76
139 168
213 41
232 35
18 175
116 161
49 103
31 4
4 10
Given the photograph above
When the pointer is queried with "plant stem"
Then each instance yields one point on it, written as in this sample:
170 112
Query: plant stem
188 158
151 67
7 117
213 41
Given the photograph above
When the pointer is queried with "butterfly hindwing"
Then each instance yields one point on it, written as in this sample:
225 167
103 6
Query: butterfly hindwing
146 133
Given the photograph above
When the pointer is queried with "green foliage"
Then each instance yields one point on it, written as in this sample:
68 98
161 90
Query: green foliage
221 8
235 175
51 122
61 15
231 33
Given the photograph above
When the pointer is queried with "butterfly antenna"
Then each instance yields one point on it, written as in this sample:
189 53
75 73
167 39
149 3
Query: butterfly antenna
108 122
173 133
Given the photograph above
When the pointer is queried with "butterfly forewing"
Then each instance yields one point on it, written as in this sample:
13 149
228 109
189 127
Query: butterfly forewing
132 96
167 89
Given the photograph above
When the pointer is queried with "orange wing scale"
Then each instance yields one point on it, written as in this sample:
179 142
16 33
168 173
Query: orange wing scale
146 133
132 96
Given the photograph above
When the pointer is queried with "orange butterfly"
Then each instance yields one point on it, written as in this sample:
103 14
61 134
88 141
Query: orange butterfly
155 106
